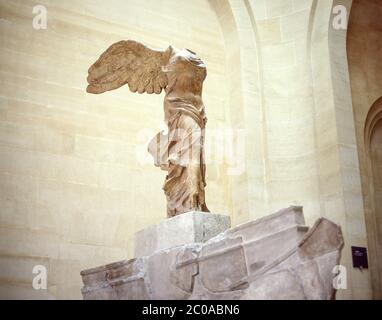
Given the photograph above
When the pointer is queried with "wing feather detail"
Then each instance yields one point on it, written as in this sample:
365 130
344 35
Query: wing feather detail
129 62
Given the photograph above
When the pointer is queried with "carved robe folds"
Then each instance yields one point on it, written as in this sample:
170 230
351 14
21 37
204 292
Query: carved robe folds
181 154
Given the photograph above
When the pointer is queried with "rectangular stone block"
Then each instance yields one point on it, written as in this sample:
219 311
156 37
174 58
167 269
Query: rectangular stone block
186 228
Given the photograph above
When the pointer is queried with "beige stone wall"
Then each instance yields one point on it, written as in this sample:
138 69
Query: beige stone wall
376 230
364 54
290 158
72 188
248 196
295 93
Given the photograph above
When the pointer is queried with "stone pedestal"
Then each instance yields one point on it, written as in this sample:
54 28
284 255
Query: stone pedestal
275 257
186 228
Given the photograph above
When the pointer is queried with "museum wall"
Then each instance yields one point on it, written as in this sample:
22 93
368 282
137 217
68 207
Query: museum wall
364 47
375 224
76 179
248 192
267 52
289 136
295 89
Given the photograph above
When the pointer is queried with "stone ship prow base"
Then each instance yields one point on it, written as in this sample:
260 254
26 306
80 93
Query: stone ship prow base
275 257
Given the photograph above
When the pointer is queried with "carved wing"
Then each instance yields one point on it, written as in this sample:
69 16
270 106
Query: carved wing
129 62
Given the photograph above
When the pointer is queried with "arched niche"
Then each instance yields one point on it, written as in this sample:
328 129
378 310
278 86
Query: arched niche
373 147
364 43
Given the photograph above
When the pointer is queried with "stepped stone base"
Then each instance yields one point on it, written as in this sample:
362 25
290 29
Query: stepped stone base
186 228
275 257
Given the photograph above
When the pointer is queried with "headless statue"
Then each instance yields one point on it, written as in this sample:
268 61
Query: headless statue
181 74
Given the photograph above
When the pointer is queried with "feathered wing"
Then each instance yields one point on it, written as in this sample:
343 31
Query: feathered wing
129 62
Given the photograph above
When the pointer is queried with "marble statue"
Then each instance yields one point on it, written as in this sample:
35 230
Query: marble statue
181 74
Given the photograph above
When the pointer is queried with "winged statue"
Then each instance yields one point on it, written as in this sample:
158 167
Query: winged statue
180 73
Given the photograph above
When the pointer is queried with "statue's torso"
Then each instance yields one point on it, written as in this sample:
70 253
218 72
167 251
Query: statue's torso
184 93
187 104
